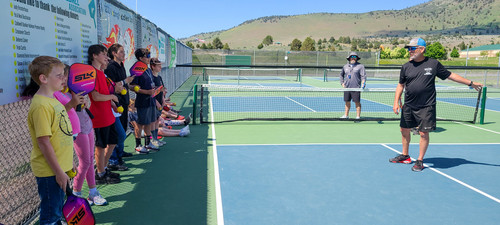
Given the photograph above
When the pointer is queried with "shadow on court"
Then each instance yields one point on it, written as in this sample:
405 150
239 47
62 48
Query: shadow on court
445 163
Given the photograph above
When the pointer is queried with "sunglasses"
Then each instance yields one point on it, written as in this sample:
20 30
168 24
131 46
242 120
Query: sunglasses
412 48
353 57
148 55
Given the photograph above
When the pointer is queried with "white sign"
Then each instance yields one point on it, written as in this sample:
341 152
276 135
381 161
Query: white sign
30 28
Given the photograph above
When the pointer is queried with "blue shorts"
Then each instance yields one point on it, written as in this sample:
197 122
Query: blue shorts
146 115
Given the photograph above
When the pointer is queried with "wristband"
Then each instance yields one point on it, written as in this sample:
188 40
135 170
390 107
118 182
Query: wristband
471 82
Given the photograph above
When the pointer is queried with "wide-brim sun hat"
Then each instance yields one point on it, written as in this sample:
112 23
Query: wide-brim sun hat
353 54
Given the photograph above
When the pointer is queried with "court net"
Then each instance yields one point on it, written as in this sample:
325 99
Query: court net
219 74
226 103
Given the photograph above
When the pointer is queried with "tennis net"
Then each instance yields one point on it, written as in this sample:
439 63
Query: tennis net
219 74
226 103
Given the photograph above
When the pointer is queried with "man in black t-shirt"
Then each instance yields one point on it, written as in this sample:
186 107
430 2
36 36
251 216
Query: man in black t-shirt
417 77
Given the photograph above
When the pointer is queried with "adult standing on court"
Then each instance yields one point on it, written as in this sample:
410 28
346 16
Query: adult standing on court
419 110
353 75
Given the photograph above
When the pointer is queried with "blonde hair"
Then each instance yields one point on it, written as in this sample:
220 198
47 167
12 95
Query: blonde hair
43 65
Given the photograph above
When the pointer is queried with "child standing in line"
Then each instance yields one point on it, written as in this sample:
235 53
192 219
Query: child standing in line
145 102
104 121
51 135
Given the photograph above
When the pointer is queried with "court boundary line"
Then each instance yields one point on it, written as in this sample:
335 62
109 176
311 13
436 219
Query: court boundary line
293 144
298 103
218 195
450 177
480 128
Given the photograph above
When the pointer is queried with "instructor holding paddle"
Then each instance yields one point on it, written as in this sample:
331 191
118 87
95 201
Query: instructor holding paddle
419 110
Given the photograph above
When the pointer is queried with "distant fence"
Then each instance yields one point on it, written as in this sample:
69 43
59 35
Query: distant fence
281 58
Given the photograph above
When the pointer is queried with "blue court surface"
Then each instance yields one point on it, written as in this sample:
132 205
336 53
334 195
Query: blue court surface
491 103
289 104
264 84
369 79
356 184
247 78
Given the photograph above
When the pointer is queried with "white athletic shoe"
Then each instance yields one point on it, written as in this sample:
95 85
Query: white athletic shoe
344 117
97 199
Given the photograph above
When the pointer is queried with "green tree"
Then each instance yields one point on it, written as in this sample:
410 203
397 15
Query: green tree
217 43
462 46
226 46
320 41
260 46
210 46
354 47
454 53
197 45
204 46
296 45
332 39
267 40
331 48
436 51
189 44
308 45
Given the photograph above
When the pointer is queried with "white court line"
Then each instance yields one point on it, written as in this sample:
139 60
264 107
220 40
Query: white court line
300 104
480 128
260 84
306 144
451 178
218 196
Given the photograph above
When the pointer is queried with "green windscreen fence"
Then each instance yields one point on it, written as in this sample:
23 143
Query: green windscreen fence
238 60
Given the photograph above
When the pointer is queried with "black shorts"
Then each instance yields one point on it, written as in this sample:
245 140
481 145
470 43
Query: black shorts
424 118
106 136
352 95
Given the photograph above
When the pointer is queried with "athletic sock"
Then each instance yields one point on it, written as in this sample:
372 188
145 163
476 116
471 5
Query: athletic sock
93 191
137 142
155 134
147 139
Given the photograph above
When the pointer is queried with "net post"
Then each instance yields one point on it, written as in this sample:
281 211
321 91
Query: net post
201 104
483 105
195 102
239 75
203 72
324 75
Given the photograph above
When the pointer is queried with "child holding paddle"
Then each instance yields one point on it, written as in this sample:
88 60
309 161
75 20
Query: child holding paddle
104 120
51 135
145 102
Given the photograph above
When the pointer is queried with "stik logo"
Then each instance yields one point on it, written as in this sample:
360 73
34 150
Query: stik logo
83 77
140 68
78 216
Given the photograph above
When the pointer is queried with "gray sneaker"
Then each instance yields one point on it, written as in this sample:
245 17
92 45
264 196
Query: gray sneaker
419 166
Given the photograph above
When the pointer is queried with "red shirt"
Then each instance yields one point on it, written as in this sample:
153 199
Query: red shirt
103 116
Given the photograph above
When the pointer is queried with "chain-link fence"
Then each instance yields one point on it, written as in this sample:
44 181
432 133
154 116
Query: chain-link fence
281 58
18 189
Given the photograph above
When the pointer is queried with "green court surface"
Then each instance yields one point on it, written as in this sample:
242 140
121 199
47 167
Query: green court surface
177 185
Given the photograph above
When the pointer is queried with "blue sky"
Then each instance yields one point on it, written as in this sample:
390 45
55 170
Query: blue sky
185 18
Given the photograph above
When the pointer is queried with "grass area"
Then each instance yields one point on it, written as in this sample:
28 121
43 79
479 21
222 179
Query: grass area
491 61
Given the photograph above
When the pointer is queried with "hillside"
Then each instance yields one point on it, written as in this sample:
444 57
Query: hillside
445 17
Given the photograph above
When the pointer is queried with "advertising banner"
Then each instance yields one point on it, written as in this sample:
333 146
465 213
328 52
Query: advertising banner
118 27
173 52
